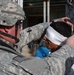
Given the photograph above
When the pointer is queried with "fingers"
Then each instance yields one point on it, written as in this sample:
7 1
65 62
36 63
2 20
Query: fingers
70 40
67 20
64 19
69 23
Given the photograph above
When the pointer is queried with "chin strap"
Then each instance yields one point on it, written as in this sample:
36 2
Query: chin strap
10 36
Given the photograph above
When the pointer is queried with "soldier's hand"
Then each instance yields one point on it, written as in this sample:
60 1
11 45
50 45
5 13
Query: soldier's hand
66 20
70 41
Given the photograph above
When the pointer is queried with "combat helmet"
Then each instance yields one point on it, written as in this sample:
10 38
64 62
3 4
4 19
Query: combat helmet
10 13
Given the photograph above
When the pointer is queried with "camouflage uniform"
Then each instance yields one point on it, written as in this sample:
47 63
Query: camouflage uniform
10 64
34 34
13 63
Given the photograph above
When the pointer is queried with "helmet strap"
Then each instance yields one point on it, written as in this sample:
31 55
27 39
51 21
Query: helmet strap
16 29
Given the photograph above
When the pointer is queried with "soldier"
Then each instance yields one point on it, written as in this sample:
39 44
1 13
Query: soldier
11 61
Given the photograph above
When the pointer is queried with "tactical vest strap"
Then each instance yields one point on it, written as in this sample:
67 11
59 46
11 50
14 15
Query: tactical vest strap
34 66
20 58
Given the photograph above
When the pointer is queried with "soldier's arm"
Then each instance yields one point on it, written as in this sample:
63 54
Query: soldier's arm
55 64
32 33
60 61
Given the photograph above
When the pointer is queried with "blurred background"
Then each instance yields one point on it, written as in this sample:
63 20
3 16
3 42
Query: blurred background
38 11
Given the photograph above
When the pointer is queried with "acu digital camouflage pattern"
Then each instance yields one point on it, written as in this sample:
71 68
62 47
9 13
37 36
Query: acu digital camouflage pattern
10 13
56 64
34 34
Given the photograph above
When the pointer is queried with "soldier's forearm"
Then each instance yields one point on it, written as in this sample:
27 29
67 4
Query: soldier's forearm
32 33
58 60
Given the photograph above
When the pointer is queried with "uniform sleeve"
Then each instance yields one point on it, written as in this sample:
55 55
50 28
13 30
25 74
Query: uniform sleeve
53 65
56 64
32 33
58 61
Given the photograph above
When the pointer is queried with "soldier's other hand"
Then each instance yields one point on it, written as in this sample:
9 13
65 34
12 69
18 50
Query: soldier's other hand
70 41
64 19
67 20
